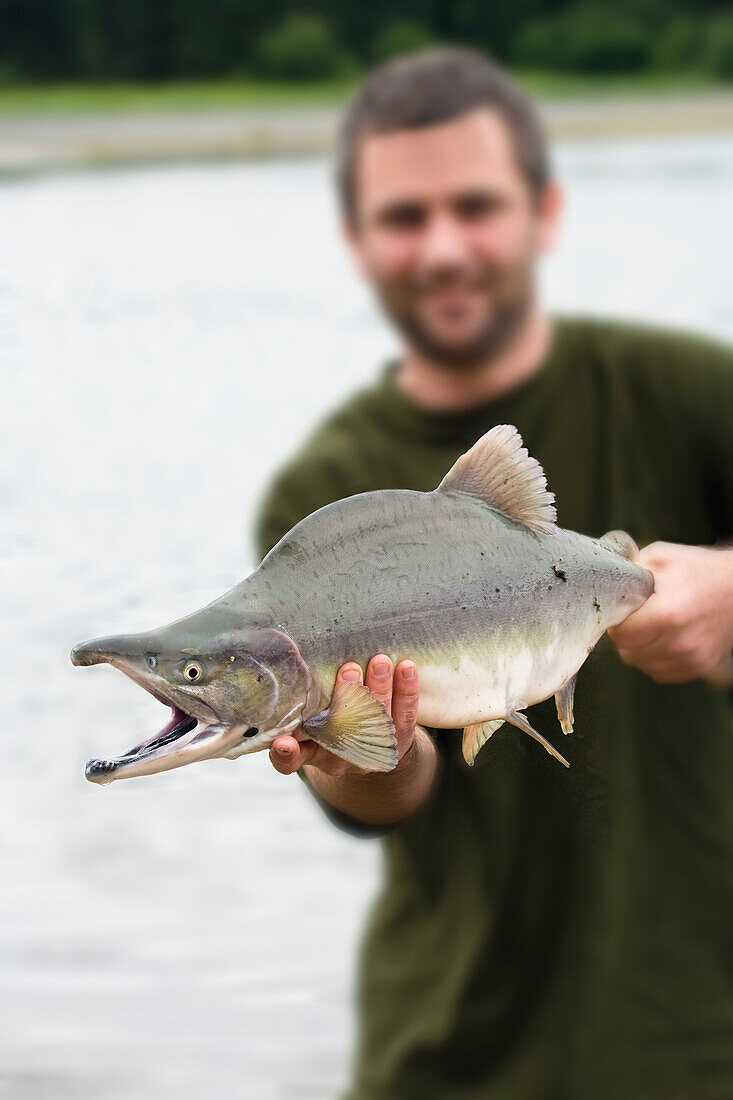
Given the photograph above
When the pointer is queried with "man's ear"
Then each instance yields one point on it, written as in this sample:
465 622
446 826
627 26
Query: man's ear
352 239
549 209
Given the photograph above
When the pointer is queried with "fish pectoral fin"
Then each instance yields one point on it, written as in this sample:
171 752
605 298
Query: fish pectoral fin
499 470
356 727
564 703
476 736
519 720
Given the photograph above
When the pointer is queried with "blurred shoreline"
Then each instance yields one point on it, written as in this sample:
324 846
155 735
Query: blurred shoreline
41 141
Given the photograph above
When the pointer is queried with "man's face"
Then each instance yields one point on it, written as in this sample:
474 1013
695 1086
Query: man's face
447 229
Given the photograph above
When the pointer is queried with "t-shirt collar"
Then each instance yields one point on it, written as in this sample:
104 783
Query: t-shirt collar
463 426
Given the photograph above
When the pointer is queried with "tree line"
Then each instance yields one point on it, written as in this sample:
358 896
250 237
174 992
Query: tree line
280 39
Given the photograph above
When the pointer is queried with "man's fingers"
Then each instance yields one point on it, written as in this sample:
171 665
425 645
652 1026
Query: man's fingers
654 556
670 674
645 654
287 754
641 629
379 680
398 693
405 697
670 667
350 672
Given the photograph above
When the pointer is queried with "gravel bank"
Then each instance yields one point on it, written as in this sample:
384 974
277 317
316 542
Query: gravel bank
48 142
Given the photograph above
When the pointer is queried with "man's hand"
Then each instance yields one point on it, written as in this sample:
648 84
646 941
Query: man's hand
398 693
685 629
373 798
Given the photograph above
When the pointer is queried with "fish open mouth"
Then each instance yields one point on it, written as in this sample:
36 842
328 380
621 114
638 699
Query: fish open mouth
186 737
193 734
182 740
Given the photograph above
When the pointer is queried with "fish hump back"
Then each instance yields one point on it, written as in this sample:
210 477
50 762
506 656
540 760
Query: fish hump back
499 470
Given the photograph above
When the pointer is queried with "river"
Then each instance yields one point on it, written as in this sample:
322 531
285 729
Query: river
167 336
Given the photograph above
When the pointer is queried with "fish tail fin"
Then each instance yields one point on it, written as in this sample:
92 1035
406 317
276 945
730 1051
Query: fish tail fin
622 543
356 727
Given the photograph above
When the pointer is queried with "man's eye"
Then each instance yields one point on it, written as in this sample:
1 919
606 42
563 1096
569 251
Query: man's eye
471 207
403 216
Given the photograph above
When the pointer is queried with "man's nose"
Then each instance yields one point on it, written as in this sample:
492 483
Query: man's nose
443 243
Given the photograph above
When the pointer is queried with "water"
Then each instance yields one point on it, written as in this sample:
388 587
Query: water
167 337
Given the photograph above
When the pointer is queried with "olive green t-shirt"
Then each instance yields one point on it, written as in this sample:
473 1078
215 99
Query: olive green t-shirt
543 933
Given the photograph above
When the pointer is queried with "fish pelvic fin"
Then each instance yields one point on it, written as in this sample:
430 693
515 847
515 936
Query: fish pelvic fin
564 703
356 727
519 720
476 736
622 543
499 470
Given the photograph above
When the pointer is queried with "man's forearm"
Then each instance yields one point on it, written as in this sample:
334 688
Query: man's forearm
381 798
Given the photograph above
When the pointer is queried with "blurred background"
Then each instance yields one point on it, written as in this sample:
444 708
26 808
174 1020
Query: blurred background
176 311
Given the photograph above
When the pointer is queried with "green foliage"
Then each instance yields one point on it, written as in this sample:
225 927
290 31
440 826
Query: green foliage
586 37
9 73
717 54
164 40
399 36
679 44
301 47
199 42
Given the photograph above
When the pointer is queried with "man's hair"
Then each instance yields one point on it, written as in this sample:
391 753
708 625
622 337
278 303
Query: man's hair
434 86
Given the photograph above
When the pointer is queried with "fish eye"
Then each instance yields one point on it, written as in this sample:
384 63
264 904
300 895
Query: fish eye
193 672
251 732
151 661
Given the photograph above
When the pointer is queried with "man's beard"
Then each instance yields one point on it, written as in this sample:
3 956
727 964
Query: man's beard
511 303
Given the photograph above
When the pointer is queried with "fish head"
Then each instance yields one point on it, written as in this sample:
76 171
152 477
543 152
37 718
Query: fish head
231 691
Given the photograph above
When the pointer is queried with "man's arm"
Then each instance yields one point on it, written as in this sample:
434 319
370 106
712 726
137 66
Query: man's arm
685 629
371 798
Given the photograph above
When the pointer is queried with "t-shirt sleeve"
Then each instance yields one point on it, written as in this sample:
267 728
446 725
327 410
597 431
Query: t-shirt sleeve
343 821
700 371
712 394
690 380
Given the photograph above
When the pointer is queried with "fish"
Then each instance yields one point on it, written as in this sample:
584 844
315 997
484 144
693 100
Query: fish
474 581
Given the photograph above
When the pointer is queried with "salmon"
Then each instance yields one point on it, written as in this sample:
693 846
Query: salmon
474 581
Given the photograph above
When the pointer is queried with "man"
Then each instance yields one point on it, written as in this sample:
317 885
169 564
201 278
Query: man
542 933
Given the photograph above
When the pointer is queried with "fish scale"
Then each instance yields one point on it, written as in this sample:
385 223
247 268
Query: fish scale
483 598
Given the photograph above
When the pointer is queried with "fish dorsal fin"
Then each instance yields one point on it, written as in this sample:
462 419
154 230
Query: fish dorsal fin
499 470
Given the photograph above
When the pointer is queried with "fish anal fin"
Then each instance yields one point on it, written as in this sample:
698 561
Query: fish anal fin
564 703
356 727
499 470
520 721
475 737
